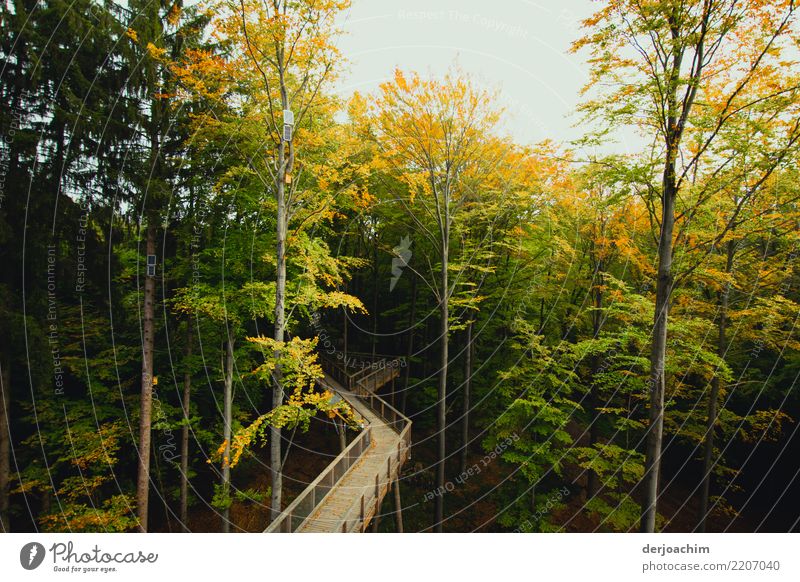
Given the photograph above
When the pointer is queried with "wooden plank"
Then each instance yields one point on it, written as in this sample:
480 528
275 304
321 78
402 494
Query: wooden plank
341 499
382 460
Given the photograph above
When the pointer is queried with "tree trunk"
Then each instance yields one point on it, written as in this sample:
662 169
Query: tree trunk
46 502
398 508
285 163
342 434
5 444
187 394
146 404
713 398
227 412
467 389
657 380
410 348
345 339
442 403
375 301
594 429
280 309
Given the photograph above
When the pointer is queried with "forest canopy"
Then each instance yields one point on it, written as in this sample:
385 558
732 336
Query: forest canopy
222 271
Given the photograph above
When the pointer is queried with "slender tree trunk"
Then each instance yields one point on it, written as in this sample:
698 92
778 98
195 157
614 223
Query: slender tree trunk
345 340
541 301
5 443
398 508
591 476
285 164
46 502
342 435
658 356
276 470
375 301
594 429
410 349
713 398
187 395
442 403
13 173
146 404
467 390
227 413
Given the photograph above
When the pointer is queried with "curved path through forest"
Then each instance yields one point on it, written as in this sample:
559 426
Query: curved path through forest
347 495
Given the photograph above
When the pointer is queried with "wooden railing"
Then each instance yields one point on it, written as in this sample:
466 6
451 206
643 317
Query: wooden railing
295 514
304 505
338 374
358 513
363 365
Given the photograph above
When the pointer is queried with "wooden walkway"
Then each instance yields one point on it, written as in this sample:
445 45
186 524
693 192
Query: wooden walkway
347 495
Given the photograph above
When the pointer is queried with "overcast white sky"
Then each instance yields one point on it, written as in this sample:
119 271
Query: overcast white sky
518 46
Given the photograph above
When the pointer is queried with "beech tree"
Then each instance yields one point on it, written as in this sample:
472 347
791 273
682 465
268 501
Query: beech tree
437 138
280 53
682 73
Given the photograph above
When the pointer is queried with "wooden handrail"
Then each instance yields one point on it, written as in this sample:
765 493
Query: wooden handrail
289 512
286 521
402 453
348 379
368 356
349 523
371 395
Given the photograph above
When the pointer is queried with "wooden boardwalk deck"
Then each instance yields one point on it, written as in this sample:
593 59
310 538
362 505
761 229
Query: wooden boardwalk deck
348 494
360 479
